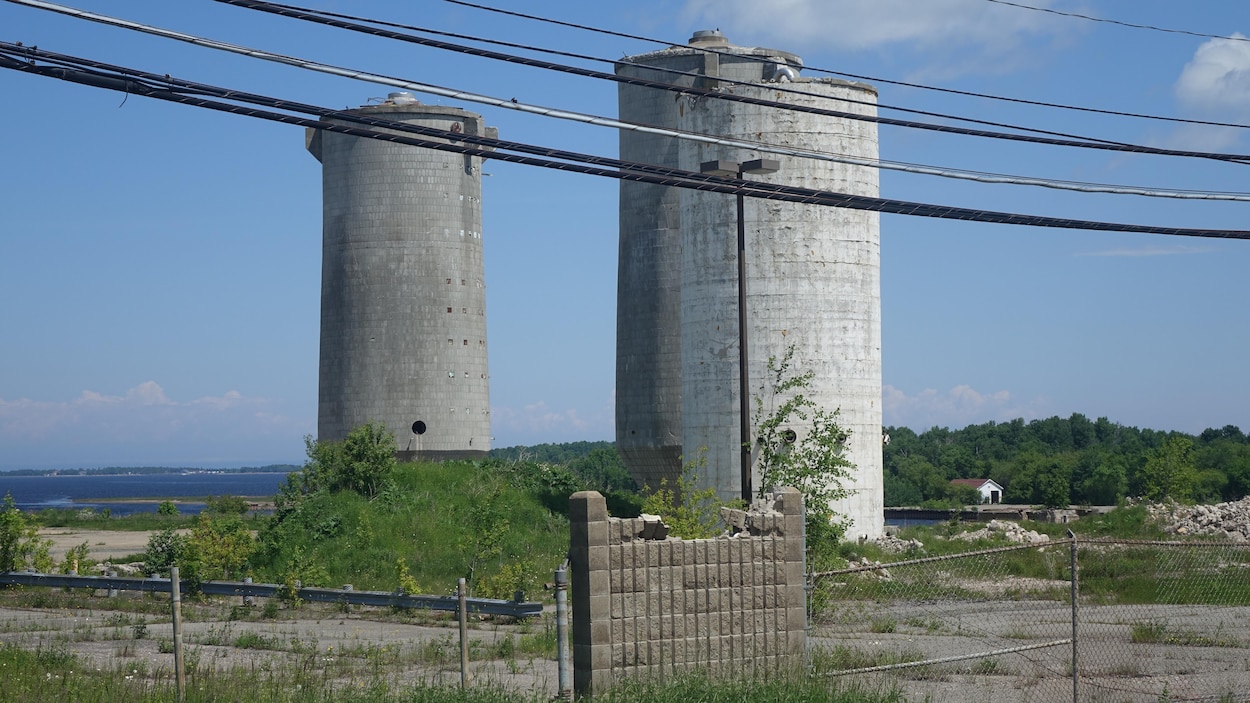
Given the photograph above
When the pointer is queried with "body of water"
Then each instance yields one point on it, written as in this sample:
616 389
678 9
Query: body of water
117 492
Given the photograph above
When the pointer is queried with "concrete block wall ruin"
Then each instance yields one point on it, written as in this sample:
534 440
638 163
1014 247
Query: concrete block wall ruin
648 605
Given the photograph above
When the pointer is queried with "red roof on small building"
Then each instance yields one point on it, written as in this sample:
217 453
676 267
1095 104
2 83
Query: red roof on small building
973 482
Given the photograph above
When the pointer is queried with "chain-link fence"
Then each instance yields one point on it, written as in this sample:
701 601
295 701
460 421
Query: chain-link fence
1151 621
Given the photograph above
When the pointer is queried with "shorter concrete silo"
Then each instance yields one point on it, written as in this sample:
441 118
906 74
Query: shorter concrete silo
403 297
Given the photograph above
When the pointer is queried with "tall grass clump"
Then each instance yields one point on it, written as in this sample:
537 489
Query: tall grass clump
783 689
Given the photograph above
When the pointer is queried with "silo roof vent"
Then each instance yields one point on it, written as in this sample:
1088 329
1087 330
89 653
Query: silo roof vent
709 36
402 97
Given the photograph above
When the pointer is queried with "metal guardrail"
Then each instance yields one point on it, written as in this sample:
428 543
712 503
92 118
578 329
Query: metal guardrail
484 606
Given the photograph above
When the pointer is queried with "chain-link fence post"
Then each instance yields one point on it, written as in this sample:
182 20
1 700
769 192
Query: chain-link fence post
1076 673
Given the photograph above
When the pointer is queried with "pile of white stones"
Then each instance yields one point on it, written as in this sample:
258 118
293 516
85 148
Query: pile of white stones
896 545
1011 531
1228 520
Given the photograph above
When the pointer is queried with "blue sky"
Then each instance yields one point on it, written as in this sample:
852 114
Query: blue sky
160 265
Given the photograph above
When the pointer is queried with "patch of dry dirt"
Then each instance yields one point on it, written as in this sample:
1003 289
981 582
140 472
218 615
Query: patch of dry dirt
102 545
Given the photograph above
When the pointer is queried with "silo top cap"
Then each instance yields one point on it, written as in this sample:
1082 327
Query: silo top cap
401 98
708 36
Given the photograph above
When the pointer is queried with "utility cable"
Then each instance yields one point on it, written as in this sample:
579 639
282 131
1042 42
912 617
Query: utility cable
15 57
304 15
698 92
785 88
1130 25
584 118
855 76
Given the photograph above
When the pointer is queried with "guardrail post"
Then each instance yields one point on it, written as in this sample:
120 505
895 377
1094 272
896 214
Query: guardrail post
112 589
248 601
564 657
175 600
1076 674
463 615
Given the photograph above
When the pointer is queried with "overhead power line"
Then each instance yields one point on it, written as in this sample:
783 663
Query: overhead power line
700 92
300 14
18 58
761 146
857 76
1103 20
785 88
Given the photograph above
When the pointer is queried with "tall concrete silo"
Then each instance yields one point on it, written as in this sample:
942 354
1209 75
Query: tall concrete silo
813 272
403 297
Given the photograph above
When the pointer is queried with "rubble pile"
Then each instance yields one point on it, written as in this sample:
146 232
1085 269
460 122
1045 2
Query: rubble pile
1228 520
104 568
895 545
1010 531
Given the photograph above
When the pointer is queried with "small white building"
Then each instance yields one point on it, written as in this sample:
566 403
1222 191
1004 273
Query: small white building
990 491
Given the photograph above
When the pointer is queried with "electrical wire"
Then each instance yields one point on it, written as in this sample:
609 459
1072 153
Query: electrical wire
1130 25
856 76
16 57
982 177
698 92
305 15
785 88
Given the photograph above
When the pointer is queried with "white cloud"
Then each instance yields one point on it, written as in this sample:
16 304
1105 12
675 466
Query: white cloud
1149 250
140 424
873 24
1217 79
959 407
1214 85
536 423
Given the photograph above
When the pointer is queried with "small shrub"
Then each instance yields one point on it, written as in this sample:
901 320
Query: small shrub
77 560
20 544
883 625
407 583
689 512
226 505
165 549
1148 632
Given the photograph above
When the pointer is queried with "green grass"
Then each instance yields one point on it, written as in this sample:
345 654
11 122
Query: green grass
89 519
445 521
53 674
1128 574
1159 633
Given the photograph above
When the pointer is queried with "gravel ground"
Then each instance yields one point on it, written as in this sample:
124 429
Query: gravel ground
350 647
1198 652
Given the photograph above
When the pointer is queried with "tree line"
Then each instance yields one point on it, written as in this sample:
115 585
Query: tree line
1061 461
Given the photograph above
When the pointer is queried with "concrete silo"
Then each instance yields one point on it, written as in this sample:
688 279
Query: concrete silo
813 272
403 298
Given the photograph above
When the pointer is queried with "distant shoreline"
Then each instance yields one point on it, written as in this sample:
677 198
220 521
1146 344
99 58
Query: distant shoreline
152 471
251 500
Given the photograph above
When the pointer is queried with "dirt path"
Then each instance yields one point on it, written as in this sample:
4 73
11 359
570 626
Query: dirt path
102 545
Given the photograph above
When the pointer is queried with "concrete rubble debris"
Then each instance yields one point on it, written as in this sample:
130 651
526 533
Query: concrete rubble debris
1010 531
896 545
1228 520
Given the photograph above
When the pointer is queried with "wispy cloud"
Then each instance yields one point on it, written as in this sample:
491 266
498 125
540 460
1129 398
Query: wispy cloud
958 407
538 423
1214 85
933 26
1149 250
142 424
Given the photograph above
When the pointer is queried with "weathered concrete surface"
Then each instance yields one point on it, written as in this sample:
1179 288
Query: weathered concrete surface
403 294
813 275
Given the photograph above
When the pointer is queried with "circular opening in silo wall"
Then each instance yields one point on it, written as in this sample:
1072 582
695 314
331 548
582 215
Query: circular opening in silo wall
418 427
